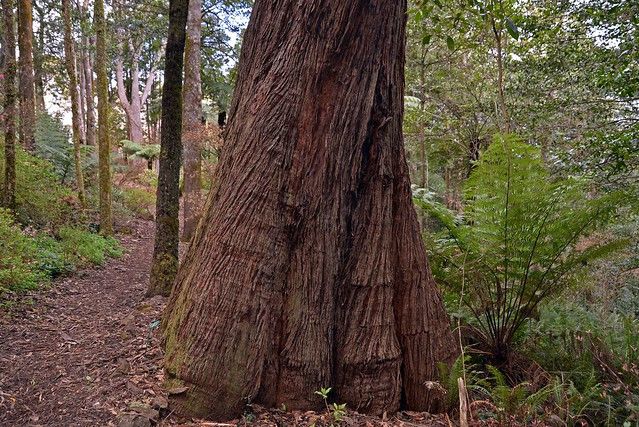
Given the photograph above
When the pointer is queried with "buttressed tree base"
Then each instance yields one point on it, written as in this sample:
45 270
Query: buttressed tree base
308 270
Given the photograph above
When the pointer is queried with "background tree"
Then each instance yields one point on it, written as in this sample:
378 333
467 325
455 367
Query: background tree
86 55
167 221
27 88
324 279
9 188
192 121
70 61
104 146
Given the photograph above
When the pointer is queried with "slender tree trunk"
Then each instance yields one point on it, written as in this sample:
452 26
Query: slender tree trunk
38 71
307 269
167 221
79 66
9 189
192 124
27 86
104 146
88 95
498 33
70 61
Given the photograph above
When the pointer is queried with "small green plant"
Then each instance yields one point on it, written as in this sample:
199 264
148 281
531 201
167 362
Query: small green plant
336 410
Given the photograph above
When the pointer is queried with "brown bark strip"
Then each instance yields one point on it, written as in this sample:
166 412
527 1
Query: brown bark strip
9 188
27 85
307 269
192 124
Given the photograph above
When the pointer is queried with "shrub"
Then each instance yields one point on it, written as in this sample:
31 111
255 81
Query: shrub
18 257
41 200
139 201
83 247
516 243
51 258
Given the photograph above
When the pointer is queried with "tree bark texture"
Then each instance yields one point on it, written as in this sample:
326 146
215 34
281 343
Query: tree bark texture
104 145
167 221
70 63
192 121
9 187
307 269
27 86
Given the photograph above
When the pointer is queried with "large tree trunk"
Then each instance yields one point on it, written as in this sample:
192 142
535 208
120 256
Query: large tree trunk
70 62
192 123
167 221
9 188
307 269
27 87
104 146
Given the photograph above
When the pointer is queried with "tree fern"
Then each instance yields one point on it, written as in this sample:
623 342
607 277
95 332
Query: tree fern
516 243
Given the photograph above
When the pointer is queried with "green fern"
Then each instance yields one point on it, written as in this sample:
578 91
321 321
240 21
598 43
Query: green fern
516 243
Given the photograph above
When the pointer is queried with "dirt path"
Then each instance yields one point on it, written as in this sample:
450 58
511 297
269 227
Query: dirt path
84 351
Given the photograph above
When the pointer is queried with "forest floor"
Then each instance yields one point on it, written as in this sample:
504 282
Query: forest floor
85 352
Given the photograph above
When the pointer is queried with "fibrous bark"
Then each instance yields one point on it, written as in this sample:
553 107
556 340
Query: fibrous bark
307 269
167 222
9 188
104 146
192 121
70 63
27 86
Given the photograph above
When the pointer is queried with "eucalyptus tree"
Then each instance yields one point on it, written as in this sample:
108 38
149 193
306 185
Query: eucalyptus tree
140 33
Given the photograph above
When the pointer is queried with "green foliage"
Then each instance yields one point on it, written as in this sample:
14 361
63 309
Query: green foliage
130 148
41 200
139 201
149 152
594 352
52 143
336 410
18 257
84 248
516 244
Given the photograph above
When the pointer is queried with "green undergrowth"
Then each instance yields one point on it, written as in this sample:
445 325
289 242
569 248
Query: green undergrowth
47 234
28 259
